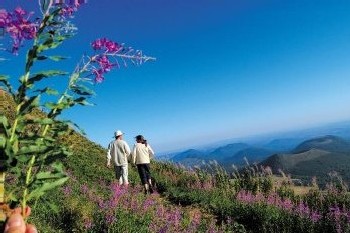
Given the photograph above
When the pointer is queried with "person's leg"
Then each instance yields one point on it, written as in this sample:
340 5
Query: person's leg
143 177
148 177
118 174
125 175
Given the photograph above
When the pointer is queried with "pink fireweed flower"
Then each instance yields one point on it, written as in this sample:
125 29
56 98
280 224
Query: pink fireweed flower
112 47
106 45
18 26
148 203
4 18
315 216
104 63
88 223
84 188
174 217
335 212
110 218
67 11
98 76
106 50
287 204
98 44
67 190
67 7
302 209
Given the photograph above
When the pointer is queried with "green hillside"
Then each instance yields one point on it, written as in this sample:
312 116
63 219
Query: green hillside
185 201
329 143
91 200
315 157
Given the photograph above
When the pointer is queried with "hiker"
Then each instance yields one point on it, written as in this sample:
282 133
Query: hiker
141 155
119 152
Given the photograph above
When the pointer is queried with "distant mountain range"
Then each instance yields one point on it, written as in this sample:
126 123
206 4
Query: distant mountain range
302 159
227 155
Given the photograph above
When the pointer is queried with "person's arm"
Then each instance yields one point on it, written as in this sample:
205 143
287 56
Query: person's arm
127 151
133 155
150 151
109 157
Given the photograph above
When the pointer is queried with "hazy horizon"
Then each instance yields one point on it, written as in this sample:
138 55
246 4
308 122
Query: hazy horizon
322 129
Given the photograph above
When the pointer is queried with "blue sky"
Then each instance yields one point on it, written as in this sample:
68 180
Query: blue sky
224 69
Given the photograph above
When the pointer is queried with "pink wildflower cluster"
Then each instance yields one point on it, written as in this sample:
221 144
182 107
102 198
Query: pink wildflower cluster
300 209
68 7
340 217
105 46
18 26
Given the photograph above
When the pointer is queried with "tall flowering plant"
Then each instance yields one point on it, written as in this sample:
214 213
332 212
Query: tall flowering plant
29 149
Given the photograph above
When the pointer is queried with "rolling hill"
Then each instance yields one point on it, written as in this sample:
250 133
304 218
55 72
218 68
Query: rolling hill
315 157
328 143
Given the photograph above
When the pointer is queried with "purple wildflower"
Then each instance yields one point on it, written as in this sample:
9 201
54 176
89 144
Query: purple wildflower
88 223
18 26
67 190
84 189
287 204
106 45
174 217
102 204
104 63
110 218
4 18
98 75
147 203
315 216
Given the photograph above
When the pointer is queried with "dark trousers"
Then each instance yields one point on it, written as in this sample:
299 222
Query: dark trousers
144 172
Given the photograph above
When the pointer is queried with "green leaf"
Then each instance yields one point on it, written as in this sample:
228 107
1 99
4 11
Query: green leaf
82 101
14 146
44 121
30 104
57 58
12 197
82 90
32 149
45 74
58 166
31 57
3 122
49 175
2 142
42 57
23 158
53 207
4 80
38 192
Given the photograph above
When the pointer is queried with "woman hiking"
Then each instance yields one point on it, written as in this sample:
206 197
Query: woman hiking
142 154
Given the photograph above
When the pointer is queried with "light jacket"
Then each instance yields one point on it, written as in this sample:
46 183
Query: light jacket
119 152
142 154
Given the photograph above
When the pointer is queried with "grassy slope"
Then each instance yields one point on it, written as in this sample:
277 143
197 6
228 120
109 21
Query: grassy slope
56 212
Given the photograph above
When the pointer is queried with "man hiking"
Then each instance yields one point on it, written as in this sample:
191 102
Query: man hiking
119 152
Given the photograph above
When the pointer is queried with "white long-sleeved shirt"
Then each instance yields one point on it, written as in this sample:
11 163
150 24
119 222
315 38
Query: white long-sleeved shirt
142 154
119 152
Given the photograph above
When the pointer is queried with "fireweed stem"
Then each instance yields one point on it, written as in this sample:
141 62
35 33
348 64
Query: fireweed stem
26 77
28 178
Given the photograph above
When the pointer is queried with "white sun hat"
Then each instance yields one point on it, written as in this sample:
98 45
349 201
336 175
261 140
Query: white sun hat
118 133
